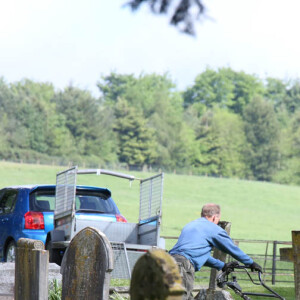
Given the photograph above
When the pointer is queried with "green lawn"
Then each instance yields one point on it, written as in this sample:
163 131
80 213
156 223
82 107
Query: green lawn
286 292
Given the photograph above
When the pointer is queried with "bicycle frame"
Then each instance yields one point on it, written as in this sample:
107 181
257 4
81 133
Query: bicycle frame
222 281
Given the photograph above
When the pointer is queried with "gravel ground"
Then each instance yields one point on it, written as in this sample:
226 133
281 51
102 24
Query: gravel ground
7 278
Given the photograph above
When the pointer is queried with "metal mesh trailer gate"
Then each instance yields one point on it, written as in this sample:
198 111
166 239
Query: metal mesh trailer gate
122 268
65 192
151 197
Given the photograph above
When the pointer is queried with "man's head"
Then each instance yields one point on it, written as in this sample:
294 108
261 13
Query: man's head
212 212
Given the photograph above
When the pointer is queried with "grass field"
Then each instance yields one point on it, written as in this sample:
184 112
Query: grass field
257 210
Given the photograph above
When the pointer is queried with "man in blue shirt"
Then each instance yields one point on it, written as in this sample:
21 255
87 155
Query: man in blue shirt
195 243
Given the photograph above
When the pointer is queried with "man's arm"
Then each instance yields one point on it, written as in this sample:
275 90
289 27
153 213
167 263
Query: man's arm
223 242
214 263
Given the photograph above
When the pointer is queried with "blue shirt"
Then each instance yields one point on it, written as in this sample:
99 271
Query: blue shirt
198 238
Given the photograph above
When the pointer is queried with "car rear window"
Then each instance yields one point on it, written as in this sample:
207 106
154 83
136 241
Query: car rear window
44 200
95 202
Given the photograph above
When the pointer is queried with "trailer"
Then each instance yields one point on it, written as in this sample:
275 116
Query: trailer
128 240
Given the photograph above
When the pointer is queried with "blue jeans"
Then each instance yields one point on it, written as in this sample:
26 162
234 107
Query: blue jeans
187 273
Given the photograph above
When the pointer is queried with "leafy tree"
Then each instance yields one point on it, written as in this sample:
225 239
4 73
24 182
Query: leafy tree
262 132
176 146
114 86
89 124
5 110
295 158
276 92
60 140
284 95
208 144
144 120
211 88
222 144
224 88
296 134
136 144
293 100
31 114
142 92
246 87
4 146
228 130
154 97
290 153
6 100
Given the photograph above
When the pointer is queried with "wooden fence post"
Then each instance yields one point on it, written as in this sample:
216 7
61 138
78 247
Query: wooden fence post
296 254
211 292
293 255
31 270
86 266
156 276
218 255
274 262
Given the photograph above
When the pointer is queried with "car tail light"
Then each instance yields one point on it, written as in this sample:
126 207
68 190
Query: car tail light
34 220
121 219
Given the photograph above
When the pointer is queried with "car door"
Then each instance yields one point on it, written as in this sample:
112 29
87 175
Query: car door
8 199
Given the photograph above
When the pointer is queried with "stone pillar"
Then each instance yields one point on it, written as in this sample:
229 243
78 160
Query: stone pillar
31 270
86 266
156 276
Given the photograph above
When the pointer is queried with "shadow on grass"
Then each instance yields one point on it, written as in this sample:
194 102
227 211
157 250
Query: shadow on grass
287 292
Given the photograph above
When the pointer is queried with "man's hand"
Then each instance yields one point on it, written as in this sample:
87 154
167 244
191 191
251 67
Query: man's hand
230 266
256 267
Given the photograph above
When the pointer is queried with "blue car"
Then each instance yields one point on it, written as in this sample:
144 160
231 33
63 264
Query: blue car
28 212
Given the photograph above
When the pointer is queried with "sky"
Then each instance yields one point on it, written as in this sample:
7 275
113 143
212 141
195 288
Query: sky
77 42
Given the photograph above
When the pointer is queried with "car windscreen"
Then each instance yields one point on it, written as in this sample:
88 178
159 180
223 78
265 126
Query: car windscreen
85 200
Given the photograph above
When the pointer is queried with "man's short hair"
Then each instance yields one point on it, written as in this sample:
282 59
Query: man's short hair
210 209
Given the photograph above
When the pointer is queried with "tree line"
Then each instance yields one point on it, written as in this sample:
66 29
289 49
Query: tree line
226 123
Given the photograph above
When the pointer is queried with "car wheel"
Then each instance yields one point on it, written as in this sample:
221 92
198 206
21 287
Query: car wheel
10 252
54 254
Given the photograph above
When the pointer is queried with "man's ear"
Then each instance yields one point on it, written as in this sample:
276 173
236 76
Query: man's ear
214 219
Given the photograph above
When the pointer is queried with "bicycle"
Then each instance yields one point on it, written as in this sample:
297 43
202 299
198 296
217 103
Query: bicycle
223 280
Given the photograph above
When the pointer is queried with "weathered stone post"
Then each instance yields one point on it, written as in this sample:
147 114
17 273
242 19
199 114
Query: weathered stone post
86 266
211 292
219 255
31 270
156 276
293 255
